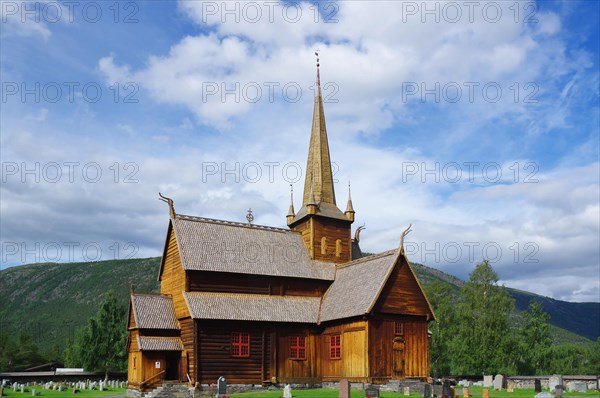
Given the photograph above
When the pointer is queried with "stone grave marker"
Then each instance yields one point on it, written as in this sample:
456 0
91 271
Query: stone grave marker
371 392
33 392
406 391
344 389
485 393
488 381
2 389
222 387
437 390
22 388
427 391
498 382
544 395
577 386
537 385
447 389
560 389
554 381
287 391
465 392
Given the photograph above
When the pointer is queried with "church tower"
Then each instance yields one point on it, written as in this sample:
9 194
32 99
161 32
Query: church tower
324 227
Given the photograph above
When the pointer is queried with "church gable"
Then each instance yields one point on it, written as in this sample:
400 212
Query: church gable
403 293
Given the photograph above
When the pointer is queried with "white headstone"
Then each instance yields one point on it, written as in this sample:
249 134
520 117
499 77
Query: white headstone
488 381
498 382
554 381
287 391
22 388
576 386
406 391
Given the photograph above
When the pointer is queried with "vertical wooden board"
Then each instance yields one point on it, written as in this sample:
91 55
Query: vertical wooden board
187 338
133 341
173 277
354 354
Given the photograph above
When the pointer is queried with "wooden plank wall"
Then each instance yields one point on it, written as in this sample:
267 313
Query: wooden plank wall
402 294
353 364
416 350
173 277
215 360
187 338
221 282
298 371
332 230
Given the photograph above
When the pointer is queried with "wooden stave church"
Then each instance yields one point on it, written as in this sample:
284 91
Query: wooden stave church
263 305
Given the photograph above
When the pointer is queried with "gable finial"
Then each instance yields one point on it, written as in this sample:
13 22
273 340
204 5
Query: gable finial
349 208
249 216
291 211
404 233
169 201
357 233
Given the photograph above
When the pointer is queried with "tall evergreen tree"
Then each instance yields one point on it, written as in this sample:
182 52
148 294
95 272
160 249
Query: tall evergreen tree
483 341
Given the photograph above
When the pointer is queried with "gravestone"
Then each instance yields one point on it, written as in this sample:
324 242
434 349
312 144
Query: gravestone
465 392
2 389
447 389
560 389
344 389
544 395
287 391
33 392
437 390
22 388
406 391
427 391
371 392
488 381
498 382
577 386
485 393
221 387
537 385
554 381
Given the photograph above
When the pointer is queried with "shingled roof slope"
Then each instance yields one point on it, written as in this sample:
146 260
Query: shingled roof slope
153 311
357 286
214 245
252 307
151 343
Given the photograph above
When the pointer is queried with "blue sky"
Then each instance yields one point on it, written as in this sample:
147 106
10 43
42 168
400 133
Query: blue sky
476 122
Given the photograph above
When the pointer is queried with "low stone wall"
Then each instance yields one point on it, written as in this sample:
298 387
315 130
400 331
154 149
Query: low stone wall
529 381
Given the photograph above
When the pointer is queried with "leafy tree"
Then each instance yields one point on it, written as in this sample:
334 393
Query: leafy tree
20 354
442 297
535 341
484 341
100 345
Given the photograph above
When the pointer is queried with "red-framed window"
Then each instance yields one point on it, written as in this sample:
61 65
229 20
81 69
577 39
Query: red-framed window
240 344
335 346
298 347
398 328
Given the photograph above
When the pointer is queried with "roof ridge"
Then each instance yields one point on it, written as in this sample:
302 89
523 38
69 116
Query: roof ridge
231 223
168 297
368 258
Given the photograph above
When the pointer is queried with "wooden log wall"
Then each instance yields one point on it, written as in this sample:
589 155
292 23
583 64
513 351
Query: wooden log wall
353 364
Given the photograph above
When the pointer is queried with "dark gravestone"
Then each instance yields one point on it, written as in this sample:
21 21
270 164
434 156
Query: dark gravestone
344 388
371 392
560 389
427 391
437 390
222 387
447 389
537 385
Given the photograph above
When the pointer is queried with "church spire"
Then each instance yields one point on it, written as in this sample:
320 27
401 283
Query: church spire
291 212
319 162
349 213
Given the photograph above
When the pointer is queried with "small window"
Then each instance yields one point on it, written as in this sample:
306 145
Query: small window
240 345
338 248
398 328
335 346
323 245
298 347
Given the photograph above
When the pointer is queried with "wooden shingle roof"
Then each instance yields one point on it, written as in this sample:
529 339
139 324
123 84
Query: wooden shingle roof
222 246
357 286
252 307
151 343
153 311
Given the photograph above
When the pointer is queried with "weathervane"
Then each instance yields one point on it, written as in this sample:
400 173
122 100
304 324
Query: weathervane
318 65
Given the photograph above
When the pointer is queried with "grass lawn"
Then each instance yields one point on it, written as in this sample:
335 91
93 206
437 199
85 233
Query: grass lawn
475 392
116 392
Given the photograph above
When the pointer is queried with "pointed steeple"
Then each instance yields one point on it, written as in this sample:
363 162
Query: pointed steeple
349 213
319 161
291 212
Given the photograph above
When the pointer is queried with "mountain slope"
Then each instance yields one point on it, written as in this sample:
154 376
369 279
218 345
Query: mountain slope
50 301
